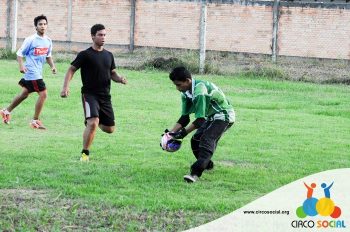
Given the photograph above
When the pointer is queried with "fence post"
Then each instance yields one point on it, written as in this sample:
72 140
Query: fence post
202 35
69 23
14 29
132 26
8 25
275 29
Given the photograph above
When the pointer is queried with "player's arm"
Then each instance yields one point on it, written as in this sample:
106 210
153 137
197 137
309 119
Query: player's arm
22 51
49 60
21 66
199 112
181 130
175 128
195 125
69 75
184 120
117 78
189 129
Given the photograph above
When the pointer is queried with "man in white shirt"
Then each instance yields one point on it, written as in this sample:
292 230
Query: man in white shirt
37 50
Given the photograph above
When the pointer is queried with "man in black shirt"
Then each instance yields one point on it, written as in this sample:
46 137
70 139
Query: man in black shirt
97 70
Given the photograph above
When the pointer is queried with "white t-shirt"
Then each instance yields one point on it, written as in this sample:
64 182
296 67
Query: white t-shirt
35 49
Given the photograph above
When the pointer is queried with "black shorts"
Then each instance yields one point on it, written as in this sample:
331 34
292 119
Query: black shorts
98 106
33 86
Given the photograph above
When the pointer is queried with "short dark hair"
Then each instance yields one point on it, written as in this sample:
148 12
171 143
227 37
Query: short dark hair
38 18
180 74
97 27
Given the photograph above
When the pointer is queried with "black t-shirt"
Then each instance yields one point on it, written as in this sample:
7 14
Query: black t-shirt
96 67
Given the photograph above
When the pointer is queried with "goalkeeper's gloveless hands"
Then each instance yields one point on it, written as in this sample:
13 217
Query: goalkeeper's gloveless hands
180 134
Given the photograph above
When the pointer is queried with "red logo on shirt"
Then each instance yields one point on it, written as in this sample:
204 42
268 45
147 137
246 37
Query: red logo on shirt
40 51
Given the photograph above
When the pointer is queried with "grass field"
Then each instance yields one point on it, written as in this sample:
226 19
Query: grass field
284 131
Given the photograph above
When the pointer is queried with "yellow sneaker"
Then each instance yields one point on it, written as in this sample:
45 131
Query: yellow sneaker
84 158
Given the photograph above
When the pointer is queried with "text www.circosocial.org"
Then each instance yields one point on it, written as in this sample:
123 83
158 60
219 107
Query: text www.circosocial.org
272 212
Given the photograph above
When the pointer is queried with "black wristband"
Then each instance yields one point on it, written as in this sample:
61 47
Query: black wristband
184 120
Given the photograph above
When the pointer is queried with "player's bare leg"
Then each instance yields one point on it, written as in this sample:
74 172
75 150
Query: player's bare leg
40 103
89 132
107 129
36 123
18 99
6 112
88 137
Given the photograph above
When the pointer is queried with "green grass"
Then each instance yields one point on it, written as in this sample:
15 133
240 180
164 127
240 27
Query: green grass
284 131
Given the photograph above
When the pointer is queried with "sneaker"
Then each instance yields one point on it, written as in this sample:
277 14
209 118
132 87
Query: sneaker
6 116
84 157
191 178
37 124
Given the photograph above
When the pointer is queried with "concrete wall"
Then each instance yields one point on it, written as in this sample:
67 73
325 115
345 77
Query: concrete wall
306 30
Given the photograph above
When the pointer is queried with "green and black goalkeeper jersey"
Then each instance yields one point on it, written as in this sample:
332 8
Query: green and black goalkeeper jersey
207 101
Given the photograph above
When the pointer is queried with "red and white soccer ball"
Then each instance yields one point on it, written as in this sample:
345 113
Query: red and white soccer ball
169 144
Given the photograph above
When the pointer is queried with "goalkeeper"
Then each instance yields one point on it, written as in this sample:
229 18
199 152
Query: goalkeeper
213 116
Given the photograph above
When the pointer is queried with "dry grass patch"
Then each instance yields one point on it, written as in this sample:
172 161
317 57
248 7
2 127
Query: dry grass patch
39 210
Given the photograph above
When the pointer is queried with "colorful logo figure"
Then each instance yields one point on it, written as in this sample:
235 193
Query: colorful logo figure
313 206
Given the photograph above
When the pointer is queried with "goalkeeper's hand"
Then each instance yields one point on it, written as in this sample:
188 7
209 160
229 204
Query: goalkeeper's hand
165 131
180 134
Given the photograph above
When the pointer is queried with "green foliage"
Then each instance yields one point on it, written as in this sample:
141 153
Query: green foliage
169 60
312 70
163 63
284 131
7 54
63 57
266 72
344 80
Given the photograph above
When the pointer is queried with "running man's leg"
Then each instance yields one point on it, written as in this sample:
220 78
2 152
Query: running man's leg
106 115
6 112
89 132
39 104
107 129
18 99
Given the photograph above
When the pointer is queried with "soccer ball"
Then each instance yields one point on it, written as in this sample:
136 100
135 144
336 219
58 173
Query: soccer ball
169 144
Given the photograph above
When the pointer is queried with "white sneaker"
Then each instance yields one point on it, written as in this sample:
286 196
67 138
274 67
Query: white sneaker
6 116
191 178
37 124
